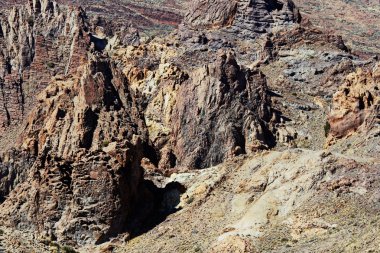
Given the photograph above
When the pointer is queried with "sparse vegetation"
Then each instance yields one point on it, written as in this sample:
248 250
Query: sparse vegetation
105 143
304 143
190 200
68 249
56 247
50 65
54 244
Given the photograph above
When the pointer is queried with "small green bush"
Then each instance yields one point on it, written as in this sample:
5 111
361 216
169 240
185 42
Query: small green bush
68 249
197 249
105 144
52 244
190 200
50 65
1 232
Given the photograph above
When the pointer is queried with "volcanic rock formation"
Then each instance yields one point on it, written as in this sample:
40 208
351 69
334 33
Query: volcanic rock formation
103 131
37 41
231 107
244 18
356 104
88 137
92 125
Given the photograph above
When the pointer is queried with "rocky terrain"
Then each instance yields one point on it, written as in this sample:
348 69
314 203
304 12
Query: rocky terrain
356 20
151 17
246 129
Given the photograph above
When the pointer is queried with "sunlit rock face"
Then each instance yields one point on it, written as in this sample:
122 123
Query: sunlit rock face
37 41
356 104
103 127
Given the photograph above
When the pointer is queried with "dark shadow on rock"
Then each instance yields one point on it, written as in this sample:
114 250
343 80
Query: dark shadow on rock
164 202
274 94
281 116
100 44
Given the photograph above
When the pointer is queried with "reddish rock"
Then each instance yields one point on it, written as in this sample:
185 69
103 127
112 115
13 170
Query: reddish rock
356 104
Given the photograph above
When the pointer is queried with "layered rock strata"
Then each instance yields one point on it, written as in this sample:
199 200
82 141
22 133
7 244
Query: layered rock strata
37 41
245 18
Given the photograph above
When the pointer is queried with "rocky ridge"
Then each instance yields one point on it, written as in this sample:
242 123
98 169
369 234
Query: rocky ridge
156 17
244 18
150 16
38 41
92 115
114 138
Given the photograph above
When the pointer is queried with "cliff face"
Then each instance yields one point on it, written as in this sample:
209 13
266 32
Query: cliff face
245 18
59 157
111 130
89 137
80 151
37 41
209 114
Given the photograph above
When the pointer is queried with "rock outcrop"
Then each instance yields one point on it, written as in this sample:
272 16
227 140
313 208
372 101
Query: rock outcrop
98 122
14 165
245 18
211 14
292 201
342 17
356 105
89 136
219 111
161 15
106 130
37 41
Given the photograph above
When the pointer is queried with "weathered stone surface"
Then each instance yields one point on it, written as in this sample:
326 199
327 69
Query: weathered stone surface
111 123
295 200
246 18
100 116
13 170
37 41
356 105
79 190
355 20
221 110
211 14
